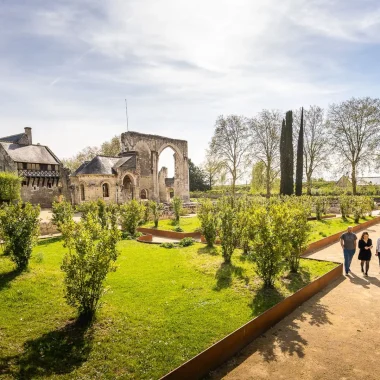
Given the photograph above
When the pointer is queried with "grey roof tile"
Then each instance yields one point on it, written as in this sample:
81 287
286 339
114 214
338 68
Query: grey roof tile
35 154
13 138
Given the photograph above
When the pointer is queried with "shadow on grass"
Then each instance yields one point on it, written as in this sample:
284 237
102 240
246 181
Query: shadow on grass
225 273
296 281
285 337
213 251
6 278
47 241
54 353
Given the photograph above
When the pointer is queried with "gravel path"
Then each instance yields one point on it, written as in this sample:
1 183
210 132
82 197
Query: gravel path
334 335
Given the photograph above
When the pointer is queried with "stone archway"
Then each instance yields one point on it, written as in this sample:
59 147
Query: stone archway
148 164
129 189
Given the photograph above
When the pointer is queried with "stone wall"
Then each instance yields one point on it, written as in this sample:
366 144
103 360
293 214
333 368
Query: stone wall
6 164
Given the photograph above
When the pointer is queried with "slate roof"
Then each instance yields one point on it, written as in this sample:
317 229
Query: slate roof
35 154
13 138
106 165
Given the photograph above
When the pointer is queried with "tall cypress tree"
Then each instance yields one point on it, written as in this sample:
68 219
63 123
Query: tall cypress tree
282 157
299 170
289 167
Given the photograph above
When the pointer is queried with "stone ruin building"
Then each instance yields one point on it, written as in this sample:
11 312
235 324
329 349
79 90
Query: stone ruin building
134 173
44 177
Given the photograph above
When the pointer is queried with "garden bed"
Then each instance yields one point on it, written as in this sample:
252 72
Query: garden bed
164 307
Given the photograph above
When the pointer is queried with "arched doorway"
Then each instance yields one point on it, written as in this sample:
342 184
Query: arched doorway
166 172
144 194
128 188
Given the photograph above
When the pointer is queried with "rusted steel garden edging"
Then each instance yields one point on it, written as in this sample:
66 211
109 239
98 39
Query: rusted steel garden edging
223 350
169 234
334 238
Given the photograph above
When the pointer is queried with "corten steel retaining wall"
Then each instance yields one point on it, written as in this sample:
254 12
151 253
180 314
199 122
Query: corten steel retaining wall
223 350
169 234
335 238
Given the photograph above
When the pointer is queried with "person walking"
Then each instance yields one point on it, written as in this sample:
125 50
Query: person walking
378 249
348 243
365 245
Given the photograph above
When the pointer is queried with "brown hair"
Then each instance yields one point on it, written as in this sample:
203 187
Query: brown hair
364 233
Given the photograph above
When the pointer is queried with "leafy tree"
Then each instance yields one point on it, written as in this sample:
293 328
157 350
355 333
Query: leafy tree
20 229
87 263
265 129
316 142
300 152
177 208
354 132
108 148
131 214
321 203
258 177
228 227
212 167
286 155
62 213
207 215
270 245
230 145
10 185
197 178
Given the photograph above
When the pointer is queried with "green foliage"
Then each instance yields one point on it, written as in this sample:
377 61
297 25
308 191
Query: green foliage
344 202
177 207
271 244
321 204
10 185
258 178
131 215
146 212
87 263
178 229
197 178
186 242
208 217
229 227
156 210
167 245
62 213
20 228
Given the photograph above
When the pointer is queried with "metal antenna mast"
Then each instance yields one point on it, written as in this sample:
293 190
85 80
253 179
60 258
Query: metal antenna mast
126 112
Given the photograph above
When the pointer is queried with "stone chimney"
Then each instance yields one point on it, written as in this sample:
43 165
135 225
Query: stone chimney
28 132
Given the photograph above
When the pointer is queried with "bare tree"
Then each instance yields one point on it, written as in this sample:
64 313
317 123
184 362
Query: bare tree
266 132
212 166
230 145
354 127
316 150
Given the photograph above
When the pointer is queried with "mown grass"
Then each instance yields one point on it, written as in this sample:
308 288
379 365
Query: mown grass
327 227
163 307
190 224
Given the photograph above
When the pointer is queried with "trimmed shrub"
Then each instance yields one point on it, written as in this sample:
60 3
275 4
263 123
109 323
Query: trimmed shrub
10 185
186 242
62 213
131 214
208 217
20 229
177 208
167 245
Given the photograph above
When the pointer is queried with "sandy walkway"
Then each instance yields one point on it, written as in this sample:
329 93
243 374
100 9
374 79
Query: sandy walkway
334 335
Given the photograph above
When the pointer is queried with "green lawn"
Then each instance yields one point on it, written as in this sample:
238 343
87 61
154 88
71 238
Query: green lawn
163 307
324 228
190 224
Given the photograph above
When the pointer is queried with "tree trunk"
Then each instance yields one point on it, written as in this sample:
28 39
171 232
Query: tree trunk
308 181
299 170
353 174
267 180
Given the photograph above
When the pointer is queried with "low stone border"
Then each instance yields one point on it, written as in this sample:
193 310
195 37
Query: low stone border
169 234
335 238
226 348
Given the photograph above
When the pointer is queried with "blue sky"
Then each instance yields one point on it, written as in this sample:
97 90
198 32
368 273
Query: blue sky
67 66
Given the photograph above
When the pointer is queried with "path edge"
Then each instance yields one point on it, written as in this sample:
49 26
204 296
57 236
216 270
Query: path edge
211 358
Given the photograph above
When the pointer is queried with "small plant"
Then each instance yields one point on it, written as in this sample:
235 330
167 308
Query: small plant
186 242
62 213
177 207
167 245
156 209
177 229
10 185
131 214
87 264
208 217
20 229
